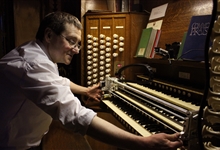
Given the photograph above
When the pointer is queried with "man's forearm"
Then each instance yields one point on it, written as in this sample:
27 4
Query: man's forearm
110 134
77 89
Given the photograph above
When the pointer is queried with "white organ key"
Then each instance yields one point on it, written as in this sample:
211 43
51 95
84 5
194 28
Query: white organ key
173 100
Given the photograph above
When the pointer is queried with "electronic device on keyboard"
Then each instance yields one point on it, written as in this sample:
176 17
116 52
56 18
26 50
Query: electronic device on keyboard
150 106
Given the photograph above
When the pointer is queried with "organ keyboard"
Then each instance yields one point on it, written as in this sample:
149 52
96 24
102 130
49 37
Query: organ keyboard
144 110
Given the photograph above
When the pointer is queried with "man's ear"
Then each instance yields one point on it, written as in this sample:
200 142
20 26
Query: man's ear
47 34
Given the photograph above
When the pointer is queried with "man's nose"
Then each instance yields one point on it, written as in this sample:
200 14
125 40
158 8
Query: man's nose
75 50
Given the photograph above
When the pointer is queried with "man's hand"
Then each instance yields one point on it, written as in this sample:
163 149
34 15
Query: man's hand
162 141
94 93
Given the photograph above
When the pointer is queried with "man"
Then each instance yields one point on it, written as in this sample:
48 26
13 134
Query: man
33 93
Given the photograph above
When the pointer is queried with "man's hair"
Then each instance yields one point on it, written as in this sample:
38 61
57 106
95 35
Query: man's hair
56 21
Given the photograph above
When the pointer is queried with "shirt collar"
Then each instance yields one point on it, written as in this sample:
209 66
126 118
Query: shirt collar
43 48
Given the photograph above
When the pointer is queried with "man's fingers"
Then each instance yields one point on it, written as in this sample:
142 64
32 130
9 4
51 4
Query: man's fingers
175 140
173 137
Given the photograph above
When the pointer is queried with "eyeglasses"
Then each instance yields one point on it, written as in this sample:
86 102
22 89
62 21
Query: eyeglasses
71 42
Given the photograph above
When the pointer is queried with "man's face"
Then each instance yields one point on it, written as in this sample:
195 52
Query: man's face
63 47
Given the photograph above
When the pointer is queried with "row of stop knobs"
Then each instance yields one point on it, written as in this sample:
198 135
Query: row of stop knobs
99 54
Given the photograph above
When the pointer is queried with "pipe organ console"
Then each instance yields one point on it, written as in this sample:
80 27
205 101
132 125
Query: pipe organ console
174 96
151 105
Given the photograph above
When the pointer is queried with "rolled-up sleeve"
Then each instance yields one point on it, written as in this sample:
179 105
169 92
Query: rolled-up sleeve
41 83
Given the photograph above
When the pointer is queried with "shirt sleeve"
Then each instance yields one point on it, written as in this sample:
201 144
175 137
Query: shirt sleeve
40 83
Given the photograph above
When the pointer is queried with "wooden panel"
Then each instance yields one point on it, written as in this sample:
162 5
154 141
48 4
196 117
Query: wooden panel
119 29
178 16
60 138
26 19
93 27
106 25
95 4
97 145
